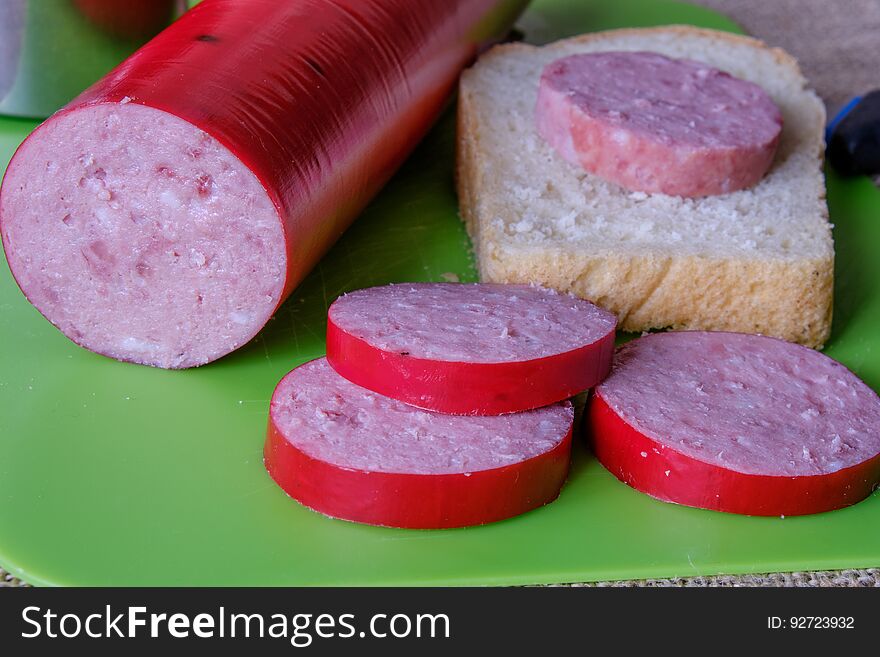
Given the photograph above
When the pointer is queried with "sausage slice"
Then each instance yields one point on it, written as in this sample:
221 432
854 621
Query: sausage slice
470 349
651 123
738 423
353 454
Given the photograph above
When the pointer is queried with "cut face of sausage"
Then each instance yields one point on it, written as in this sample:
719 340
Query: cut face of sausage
651 123
141 237
736 422
470 349
353 454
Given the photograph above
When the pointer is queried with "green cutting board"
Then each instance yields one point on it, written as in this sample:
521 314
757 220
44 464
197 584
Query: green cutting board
115 474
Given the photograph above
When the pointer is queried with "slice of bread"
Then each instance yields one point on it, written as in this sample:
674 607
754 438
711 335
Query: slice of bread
759 260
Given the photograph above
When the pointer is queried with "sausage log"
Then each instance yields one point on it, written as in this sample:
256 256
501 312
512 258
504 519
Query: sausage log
165 214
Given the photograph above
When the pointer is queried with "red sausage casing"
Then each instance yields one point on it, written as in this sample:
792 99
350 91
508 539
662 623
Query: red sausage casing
165 214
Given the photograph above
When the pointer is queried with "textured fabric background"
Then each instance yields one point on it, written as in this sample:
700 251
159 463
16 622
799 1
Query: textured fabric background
869 577
837 43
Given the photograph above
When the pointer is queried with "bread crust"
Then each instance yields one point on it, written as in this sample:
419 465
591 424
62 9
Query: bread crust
781 56
785 298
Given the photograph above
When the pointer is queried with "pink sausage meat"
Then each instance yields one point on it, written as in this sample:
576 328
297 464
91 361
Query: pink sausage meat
471 323
162 248
740 414
334 420
470 349
651 123
350 453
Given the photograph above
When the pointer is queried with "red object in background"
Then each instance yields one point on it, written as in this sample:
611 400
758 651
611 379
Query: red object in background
130 19
674 477
416 501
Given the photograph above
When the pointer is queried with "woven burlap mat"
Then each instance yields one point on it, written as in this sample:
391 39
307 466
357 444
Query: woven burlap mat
837 43
868 577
